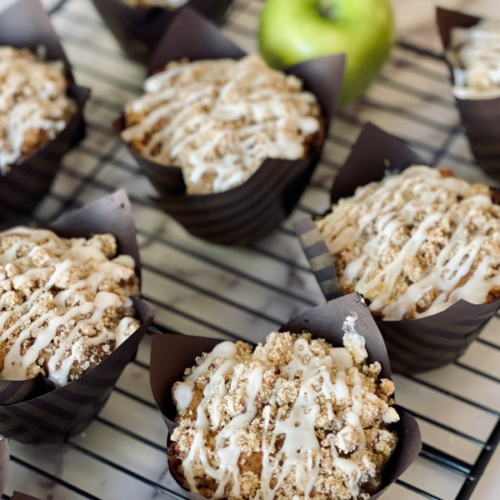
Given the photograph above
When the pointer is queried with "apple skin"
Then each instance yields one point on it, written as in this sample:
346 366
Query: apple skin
292 31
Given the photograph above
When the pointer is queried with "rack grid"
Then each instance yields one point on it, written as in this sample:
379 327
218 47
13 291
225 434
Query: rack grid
202 289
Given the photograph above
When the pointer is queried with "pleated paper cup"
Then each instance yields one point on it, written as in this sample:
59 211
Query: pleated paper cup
35 411
138 30
22 496
480 117
4 462
252 210
26 25
415 345
172 354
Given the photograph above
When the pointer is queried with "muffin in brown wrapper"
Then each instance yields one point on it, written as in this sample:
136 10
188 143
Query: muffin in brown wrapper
480 117
414 345
26 25
172 354
138 30
35 411
251 210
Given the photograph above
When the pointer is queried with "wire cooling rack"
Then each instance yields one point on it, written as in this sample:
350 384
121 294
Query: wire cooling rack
203 289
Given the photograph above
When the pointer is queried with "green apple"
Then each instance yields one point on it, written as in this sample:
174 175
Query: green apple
292 31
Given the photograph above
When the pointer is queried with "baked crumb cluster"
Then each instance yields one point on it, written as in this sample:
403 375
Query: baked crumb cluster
220 119
148 4
292 419
475 54
64 303
416 243
33 104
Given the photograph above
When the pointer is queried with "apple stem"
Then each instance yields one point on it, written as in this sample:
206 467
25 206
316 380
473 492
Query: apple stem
326 8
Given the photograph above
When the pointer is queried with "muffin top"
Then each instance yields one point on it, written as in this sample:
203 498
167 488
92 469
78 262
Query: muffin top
416 243
33 104
64 303
292 419
475 54
220 119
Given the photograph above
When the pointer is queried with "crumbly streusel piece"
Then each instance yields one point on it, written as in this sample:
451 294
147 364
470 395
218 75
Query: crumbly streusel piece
220 119
64 303
475 54
292 419
33 104
416 243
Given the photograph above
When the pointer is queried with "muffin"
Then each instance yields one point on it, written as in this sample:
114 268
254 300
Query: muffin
416 243
298 418
474 53
34 107
64 303
218 120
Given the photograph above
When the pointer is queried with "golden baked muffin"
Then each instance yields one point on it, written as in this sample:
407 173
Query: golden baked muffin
475 55
416 243
219 120
33 104
64 303
292 419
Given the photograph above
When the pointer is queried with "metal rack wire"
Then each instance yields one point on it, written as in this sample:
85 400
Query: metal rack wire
201 289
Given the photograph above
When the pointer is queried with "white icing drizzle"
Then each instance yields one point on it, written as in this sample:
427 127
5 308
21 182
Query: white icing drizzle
66 257
380 211
221 119
32 98
300 451
475 55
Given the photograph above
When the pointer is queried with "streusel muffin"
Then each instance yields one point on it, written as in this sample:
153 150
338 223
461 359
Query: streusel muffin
218 120
475 55
34 107
64 303
416 243
292 419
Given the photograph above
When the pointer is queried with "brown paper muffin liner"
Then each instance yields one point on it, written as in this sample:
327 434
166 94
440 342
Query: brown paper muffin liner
252 210
414 345
26 25
172 354
35 411
22 496
480 117
138 30
4 462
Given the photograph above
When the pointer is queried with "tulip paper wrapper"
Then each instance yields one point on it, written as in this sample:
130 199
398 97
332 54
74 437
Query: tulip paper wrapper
26 25
414 345
35 411
172 354
22 496
480 117
138 30
252 210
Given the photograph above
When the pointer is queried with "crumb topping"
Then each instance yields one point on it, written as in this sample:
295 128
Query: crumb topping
293 419
475 55
416 243
220 119
33 104
64 303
